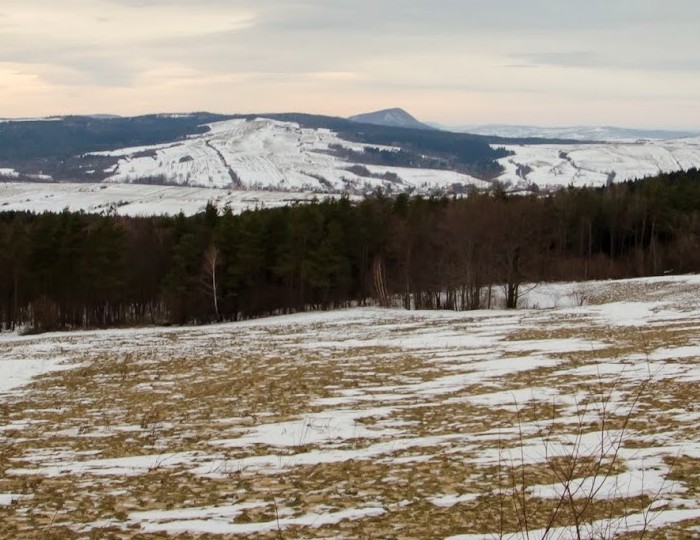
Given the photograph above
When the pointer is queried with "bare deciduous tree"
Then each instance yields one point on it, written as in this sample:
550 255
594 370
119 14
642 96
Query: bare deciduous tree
209 278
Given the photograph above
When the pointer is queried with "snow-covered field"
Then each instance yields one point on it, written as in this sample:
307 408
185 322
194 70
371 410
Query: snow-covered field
576 133
268 154
281 155
136 199
552 166
8 173
364 423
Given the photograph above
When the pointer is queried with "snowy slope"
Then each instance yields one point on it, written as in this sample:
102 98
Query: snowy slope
282 156
267 154
578 133
135 199
407 424
8 173
552 166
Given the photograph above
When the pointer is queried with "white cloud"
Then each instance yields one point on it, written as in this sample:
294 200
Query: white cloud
103 23
336 56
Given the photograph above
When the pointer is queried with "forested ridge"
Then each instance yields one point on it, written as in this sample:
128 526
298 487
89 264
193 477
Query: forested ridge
64 138
74 270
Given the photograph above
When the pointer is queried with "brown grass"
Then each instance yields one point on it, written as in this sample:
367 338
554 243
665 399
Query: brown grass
183 390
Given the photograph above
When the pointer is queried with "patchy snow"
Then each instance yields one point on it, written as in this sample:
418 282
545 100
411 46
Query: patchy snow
514 399
16 370
223 526
8 173
334 423
448 501
646 477
279 464
225 511
627 313
128 466
338 425
608 528
7 499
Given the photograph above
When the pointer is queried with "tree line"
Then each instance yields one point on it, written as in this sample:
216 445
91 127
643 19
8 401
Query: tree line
75 270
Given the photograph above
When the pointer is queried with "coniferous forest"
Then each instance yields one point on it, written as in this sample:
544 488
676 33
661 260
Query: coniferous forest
74 270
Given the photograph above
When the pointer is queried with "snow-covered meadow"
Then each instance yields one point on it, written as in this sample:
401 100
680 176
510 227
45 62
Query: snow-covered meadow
553 166
137 199
363 423
269 154
284 156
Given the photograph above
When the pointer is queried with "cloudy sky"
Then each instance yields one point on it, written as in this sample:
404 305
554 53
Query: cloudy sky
541 62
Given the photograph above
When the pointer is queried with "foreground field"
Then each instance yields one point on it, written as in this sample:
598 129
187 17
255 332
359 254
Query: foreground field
365 423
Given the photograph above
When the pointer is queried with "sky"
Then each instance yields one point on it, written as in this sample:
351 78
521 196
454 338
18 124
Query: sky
633 63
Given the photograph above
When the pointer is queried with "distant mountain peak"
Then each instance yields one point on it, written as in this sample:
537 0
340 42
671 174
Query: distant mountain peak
395 117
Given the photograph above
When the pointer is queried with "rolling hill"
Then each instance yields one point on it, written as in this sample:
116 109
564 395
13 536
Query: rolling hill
287 151
294 153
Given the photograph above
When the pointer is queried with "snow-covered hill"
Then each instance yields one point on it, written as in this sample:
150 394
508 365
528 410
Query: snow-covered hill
559 165
269 154
266 161
136 199
577 133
